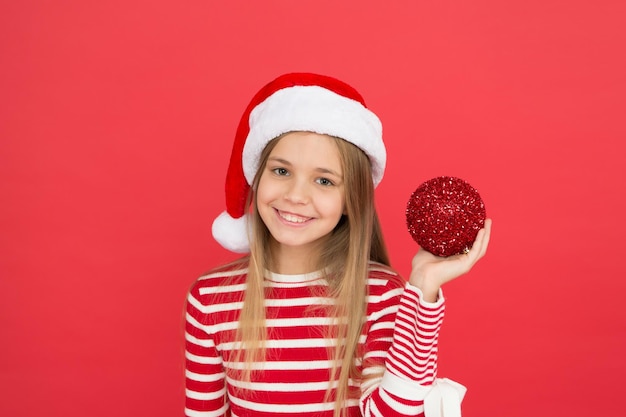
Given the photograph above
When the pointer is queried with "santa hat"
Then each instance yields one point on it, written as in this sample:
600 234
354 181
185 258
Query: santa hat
293 102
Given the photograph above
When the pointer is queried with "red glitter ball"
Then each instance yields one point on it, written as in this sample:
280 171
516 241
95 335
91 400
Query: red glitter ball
444 215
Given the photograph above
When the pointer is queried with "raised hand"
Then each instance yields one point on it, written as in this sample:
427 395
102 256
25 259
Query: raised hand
430 272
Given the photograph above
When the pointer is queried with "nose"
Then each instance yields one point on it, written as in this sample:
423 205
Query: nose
297 192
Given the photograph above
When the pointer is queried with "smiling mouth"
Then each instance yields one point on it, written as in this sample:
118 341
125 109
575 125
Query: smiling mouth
292 218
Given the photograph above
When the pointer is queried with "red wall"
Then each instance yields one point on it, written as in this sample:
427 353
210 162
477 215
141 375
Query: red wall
116 121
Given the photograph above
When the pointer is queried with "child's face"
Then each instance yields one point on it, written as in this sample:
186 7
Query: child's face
300 195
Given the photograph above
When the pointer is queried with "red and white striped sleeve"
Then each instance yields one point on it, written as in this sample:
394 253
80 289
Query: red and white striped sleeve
401 344
413 353
205 393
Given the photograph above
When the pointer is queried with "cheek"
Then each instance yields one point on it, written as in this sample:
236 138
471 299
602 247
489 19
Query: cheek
263 189
334 205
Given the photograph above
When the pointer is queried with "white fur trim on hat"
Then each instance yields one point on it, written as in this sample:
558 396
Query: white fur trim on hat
231 233
314 109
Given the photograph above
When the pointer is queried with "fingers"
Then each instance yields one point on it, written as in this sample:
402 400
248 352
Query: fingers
479 248
486 237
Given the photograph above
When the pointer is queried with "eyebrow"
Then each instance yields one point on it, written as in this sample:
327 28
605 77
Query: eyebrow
320 169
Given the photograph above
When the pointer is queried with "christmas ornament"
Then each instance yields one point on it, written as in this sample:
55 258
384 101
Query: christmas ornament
444 215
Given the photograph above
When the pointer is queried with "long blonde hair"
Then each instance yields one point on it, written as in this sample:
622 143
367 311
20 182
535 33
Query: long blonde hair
355 241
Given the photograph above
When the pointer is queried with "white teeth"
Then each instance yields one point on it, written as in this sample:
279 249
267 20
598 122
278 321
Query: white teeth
293 218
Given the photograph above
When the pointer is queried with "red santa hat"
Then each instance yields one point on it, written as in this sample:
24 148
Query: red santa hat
293 102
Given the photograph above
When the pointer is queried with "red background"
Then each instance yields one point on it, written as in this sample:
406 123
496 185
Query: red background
116 121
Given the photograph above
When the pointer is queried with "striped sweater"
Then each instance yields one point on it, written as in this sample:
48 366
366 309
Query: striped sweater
399 342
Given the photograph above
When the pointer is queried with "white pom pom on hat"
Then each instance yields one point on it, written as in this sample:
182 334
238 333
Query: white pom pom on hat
293 102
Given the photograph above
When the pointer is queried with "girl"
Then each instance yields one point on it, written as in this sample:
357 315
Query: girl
313 321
